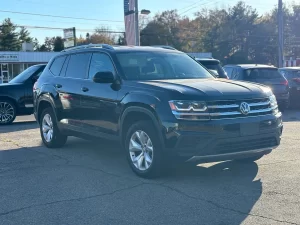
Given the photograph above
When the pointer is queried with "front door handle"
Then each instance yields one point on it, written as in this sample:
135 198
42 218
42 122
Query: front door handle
58 85
84 89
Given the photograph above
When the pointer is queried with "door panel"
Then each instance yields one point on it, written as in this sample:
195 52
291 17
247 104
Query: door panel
68 85
98 100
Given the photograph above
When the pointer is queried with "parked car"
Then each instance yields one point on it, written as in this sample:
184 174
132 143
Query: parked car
16 97
262 74
214 66
292 74
158 103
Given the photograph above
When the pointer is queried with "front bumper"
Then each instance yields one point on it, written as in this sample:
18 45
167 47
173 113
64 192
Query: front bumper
223 139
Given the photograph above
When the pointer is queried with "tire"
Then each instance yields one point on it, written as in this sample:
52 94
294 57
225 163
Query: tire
250 159
55 138
153 167
8 112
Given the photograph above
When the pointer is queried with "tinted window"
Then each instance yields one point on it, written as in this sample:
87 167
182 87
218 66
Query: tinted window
77 66
228 71
57 64
291 74
254 74
100 63
214 65
26 74
160 65
235 74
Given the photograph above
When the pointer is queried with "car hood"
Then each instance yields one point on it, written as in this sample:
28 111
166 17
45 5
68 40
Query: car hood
213 88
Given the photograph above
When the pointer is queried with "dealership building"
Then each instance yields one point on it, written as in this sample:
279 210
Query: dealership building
13 63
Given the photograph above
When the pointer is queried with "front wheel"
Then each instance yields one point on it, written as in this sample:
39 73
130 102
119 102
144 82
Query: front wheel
7 112
144 150
50 133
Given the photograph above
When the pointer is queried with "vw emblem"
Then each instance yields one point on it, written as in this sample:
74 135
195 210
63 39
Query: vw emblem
244 108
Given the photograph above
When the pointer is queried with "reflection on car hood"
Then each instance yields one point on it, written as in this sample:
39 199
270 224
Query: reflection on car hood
212 87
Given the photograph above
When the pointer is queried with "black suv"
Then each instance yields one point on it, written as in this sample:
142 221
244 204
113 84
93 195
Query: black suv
263 74
16 97
160 104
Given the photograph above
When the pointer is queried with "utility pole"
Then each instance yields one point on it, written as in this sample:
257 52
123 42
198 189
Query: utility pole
136 20
280 34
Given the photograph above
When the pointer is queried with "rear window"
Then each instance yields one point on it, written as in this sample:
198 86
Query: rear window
291 74
254 74
213 65
57 65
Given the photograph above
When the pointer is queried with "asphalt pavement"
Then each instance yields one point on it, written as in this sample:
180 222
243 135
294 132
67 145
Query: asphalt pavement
89 182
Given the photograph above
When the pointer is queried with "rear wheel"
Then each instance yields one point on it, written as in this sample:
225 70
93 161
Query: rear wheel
7 112
144 150
50 133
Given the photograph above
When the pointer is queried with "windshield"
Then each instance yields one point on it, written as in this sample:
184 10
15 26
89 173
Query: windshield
22 77
214 65
262 73
160 66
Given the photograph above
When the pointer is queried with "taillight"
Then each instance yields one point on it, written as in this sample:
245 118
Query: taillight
296 79
285 83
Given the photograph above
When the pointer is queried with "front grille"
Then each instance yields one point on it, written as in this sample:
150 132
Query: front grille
230 109
240 146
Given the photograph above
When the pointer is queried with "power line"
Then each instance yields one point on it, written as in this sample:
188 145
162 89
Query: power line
190 5
199 6
64 17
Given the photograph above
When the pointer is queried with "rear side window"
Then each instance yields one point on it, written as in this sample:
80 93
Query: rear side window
57 65
257 74
235 74
77 66
100 63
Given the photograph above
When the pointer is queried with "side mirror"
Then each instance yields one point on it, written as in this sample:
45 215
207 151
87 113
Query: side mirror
104 77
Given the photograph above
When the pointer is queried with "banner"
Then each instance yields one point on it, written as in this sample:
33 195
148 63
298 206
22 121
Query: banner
129 10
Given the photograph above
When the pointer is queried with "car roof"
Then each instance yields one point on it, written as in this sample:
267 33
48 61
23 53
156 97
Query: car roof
118 48
290 68
251 66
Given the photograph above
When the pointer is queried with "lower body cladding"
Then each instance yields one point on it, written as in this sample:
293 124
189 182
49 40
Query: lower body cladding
220 140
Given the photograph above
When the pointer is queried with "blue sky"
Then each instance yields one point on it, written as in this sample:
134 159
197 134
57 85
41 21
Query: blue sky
111 10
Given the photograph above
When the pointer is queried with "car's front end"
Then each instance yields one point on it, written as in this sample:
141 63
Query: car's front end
217 129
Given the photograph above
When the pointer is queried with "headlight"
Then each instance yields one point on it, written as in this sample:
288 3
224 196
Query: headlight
188 106
273 101
191 110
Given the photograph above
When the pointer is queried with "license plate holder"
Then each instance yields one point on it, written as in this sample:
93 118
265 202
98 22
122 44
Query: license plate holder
249 129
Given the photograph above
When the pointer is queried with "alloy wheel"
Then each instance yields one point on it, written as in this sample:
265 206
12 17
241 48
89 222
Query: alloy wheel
47 128
141 150
7 112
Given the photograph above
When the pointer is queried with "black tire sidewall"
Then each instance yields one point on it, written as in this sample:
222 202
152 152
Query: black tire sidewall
156 167
57 138
15 112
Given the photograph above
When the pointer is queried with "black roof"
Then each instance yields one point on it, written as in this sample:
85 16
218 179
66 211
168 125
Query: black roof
118 48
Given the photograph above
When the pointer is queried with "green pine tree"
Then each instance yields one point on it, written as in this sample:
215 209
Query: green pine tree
8 36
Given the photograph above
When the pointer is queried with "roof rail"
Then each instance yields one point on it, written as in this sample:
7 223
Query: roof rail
106 46
164 46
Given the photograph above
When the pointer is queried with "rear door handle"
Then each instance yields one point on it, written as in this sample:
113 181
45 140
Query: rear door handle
58 85
84 89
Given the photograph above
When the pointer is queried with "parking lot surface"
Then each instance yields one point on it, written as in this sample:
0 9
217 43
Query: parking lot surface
89 182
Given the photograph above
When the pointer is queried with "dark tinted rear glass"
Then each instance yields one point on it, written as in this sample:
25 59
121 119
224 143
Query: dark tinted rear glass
26 74
77 66
263 73
290 74
57 64
213 65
